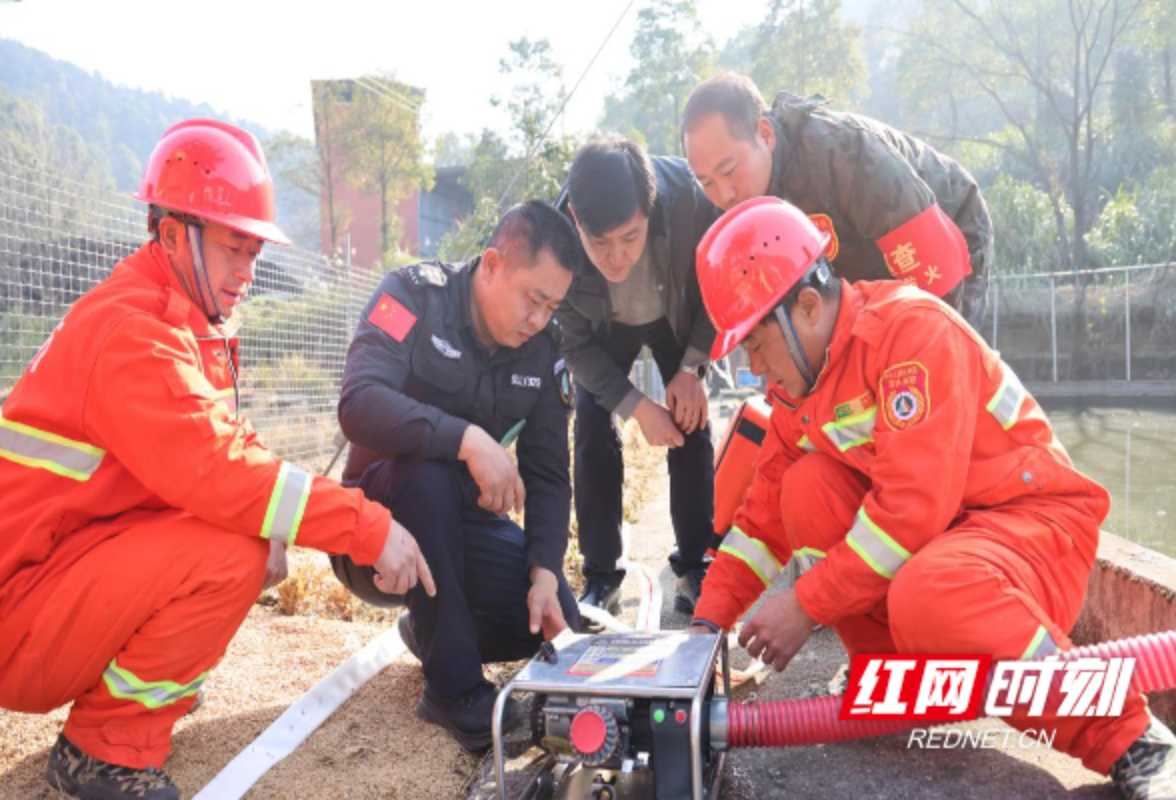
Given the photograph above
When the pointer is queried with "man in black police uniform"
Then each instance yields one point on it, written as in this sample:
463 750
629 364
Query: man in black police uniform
449 365
639 220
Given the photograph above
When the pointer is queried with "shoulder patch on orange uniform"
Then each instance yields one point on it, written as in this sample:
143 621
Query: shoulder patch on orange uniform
824 224
392 317
905 395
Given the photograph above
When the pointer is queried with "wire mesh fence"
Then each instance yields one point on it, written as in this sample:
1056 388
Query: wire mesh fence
1112 324
59 238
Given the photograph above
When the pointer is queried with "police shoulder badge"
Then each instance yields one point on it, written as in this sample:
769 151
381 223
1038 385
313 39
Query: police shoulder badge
563 380
906 395
427 274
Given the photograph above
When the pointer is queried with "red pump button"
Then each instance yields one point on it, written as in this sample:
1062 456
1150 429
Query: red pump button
588 731
680 716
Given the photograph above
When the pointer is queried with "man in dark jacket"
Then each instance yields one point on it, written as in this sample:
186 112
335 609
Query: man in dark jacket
639 220
893 207
448 367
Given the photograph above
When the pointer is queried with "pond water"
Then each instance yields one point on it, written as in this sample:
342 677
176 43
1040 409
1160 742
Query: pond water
1131 450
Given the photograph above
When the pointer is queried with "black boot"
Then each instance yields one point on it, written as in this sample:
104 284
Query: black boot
468 716
603 593
689 587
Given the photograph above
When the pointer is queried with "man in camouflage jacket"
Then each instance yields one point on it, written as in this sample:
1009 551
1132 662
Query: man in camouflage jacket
892 206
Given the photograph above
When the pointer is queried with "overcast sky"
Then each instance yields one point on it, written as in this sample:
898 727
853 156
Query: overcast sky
254 59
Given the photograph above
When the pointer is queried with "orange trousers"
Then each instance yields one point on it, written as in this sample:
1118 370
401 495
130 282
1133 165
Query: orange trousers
128 631
988 585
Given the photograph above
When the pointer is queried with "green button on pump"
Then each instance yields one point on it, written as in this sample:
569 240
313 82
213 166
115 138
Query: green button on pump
659 716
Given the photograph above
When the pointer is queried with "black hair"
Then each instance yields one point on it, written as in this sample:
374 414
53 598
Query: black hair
155 215
820 277
535 226
610 181
735 97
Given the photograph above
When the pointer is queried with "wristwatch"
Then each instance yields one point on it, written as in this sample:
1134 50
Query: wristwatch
698 371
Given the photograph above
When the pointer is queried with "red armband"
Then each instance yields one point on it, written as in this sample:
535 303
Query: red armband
927 251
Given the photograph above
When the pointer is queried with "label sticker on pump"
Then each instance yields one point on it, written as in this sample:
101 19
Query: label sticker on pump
629 657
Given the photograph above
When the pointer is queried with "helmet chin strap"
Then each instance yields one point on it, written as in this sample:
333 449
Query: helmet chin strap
794 349
203 284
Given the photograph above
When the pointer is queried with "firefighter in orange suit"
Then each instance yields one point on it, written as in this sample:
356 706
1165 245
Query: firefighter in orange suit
139 509
906 468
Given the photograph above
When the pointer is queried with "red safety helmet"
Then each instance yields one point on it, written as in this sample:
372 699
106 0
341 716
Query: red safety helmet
748 261
215 172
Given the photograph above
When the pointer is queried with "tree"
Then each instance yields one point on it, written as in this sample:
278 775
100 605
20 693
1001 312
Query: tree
672 56
330 173
452 150
386 156
1043 68
529 162
1160 37
298 179
804 47
50 173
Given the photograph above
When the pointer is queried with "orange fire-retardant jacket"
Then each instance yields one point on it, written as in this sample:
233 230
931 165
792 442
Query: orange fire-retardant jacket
129 409
913 399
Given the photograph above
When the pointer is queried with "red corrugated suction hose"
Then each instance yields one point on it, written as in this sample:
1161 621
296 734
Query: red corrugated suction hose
787 723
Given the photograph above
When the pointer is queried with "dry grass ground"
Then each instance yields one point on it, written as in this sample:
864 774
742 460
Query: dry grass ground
373 747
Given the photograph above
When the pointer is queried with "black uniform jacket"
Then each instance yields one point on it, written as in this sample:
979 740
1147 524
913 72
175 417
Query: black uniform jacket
416 378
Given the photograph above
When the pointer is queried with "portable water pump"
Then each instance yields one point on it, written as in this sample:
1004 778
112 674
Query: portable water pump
641 714
625 715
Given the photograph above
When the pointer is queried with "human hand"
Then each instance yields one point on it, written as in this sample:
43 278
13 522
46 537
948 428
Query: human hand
401 565
543 603
778 630
276 569
494 472
657 426
686 399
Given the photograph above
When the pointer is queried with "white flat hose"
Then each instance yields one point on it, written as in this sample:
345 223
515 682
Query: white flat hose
603 619
300 720
742 676
649 613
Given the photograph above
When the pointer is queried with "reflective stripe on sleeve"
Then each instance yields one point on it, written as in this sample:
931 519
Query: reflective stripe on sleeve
1006 404
1042 645
852 431
125 685
286 504
876 547
805 444
807 557
24 444
752 552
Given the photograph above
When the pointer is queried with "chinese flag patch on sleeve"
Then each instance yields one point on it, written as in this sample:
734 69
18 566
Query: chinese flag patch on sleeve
392 317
